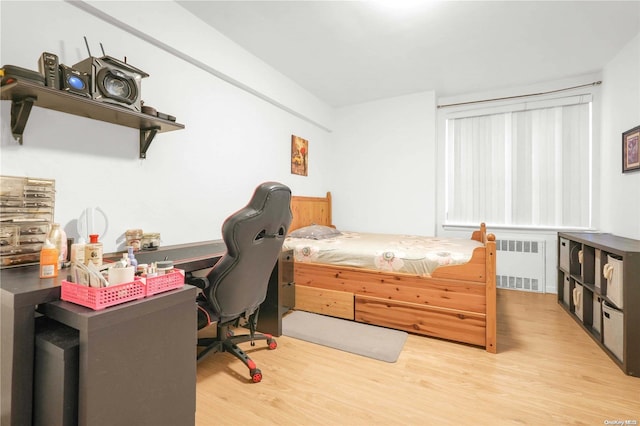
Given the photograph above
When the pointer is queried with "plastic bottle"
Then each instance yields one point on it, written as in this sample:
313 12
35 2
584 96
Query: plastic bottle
58 238
93 251
132 258
77 251
49 260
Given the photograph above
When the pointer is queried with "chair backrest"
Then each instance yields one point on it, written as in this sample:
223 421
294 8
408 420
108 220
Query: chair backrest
254 236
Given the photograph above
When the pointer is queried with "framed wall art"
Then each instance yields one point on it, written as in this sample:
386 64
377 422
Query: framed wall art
299 156
630 150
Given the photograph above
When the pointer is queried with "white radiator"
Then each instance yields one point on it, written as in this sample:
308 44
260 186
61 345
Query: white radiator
520 265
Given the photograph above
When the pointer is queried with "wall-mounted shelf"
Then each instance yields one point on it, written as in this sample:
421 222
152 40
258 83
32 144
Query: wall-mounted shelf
24 95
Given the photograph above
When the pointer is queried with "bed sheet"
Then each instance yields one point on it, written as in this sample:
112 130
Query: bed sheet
387 252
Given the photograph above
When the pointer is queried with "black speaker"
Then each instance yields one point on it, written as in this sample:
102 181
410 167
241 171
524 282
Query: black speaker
74 81
113 81
48 66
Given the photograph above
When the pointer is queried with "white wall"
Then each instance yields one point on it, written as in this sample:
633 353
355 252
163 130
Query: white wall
383 166
192 179
620 201
378 159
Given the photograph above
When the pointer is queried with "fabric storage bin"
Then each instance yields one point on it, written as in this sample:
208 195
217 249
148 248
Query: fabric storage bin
612 329
596 324
566 290
612 271
564 254
577 301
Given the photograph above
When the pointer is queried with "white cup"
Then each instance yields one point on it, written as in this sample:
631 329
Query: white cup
121 275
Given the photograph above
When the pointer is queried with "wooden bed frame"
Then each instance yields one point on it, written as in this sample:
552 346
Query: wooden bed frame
456 303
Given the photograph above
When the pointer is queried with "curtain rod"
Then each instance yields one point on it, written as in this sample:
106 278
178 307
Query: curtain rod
595 83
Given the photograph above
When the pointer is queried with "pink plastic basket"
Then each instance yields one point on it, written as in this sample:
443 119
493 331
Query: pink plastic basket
166 282
100 298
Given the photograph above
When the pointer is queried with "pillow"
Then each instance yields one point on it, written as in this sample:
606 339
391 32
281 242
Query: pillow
315 232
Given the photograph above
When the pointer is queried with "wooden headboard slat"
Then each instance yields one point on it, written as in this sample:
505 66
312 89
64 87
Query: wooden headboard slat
310 210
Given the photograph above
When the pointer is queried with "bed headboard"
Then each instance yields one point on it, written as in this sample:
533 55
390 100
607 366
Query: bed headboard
310 210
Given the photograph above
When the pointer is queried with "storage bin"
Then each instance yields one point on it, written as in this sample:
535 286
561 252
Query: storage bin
100 298
577 301
612 328
596 324
166 282
566 290
26 212
564 254
612 271
598 268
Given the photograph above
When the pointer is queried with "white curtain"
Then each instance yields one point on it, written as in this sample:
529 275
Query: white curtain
529 167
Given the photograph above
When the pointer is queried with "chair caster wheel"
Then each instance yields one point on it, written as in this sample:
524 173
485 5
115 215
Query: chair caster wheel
272 343
256 375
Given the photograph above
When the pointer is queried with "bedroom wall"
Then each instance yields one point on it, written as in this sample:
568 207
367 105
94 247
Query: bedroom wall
620 201
378 159
193 178
383 166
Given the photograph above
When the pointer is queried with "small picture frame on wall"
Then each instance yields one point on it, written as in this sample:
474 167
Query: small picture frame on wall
631 150
299 156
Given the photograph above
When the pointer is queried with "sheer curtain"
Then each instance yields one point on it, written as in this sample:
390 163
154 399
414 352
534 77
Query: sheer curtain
529 166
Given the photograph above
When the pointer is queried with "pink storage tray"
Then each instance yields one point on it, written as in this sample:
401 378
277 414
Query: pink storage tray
166 282
100 298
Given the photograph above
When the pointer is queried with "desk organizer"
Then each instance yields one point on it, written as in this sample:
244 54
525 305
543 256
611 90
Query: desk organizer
100 298
103 297
166 282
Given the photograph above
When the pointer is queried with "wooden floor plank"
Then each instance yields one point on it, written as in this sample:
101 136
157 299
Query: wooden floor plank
546 371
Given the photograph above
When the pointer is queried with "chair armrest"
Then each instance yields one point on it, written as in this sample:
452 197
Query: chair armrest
200 282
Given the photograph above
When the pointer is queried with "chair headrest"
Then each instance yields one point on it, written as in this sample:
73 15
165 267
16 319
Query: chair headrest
267 215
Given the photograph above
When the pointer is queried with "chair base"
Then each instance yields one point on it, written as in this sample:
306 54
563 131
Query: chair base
226 341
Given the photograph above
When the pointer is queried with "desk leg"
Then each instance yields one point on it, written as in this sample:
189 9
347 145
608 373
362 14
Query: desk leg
17 328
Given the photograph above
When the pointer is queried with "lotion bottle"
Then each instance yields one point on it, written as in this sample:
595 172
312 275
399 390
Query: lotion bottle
77 251
49 260
93 251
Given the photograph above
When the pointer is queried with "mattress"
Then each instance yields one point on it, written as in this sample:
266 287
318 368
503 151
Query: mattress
386 252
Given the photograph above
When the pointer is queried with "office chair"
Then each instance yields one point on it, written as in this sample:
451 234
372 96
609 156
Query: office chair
233 290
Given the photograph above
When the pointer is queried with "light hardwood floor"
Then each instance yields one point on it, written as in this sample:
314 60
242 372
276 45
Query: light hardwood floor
547 371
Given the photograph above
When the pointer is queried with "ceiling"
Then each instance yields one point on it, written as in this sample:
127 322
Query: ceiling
349 52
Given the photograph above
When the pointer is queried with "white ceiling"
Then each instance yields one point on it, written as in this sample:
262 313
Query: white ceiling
348 52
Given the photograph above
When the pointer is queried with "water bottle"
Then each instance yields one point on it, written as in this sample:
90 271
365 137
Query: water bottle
58 238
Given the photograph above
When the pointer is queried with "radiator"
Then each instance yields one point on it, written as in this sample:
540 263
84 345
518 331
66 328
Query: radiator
520 265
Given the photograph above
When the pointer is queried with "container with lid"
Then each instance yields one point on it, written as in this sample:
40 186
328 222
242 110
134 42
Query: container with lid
134 237
150 241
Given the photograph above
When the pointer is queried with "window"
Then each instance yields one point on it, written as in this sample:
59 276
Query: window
520 165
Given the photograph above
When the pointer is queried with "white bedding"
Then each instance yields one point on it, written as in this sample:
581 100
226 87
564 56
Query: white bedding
399 253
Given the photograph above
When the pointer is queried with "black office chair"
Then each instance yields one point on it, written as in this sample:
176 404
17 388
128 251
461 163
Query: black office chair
236 286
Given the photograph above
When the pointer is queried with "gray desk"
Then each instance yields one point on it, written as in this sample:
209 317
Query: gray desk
21 291
137 359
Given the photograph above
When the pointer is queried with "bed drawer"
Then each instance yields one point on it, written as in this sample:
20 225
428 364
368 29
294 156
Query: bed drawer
450 324
326 302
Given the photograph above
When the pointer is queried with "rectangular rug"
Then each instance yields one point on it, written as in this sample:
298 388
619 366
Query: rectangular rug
371 341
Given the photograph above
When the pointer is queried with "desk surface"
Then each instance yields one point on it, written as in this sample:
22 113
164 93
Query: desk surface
189 257
24 284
